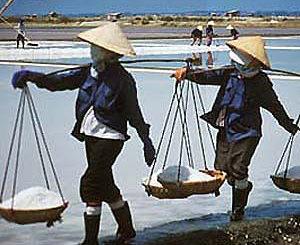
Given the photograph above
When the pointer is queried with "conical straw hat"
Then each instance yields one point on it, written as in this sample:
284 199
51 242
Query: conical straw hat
211 23
253 46
200 27
229 27
109 36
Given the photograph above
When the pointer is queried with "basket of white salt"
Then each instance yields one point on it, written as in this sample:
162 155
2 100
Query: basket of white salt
174 182
289 181
33 205
154 188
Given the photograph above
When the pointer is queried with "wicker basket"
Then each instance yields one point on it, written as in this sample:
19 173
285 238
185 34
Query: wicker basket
23 217
187 188
287 184
163 193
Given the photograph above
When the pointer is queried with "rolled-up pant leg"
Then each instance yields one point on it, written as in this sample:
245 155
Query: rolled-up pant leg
241 153
222 151
97 183
234 158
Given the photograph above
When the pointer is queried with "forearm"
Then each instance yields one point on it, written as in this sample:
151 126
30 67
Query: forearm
271 103
68 80
134 113
280 114
137 121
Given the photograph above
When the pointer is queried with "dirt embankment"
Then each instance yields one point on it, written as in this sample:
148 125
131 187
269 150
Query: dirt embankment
160 21
256 232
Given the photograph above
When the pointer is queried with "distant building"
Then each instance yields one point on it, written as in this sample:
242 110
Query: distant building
114 16
53 14
31 16
233 13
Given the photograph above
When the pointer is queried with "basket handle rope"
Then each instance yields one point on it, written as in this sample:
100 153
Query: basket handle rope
37 126
287 149
181 109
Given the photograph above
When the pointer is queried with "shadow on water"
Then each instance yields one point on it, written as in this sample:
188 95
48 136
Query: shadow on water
273 210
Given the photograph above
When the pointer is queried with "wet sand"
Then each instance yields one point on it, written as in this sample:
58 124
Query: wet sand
69 33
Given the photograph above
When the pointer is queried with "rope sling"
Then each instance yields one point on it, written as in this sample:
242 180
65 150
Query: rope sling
179 106
284 181
41 143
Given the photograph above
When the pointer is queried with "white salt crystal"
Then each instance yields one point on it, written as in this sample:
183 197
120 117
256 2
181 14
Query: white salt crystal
170 174
153 180
293 172
34 198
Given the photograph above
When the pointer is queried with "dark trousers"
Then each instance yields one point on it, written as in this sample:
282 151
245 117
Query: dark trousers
21 38
97 183
234 158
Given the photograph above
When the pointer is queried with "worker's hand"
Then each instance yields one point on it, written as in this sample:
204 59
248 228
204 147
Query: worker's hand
20 78
149 152
180 74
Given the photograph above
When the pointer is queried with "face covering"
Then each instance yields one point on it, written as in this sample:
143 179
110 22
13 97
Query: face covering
101 57
245 71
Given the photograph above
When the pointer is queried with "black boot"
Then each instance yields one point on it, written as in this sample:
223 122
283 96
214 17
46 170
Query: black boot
91 223
125 230
239 202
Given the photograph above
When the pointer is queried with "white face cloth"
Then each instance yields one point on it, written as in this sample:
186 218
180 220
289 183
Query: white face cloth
101 56
242 63
240 58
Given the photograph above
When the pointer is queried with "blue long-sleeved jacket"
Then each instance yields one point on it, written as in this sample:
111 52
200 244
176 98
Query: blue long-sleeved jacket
259 93
113 96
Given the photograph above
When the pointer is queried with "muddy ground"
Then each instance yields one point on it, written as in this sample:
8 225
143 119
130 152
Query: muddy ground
256 232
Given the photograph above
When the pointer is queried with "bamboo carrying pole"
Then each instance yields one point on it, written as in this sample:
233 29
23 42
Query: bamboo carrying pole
5 6
272 73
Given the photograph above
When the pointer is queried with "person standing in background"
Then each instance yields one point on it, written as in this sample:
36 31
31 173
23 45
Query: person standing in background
233 32
21 33
209 32
196 34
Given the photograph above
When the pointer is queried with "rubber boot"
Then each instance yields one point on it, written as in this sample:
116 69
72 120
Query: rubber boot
91 223
125 230
239 202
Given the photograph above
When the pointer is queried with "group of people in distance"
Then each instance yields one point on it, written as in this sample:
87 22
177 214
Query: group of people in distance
197 33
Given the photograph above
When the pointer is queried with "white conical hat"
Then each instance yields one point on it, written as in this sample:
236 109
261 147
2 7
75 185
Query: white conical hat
109 36
253 46
200 27
229 27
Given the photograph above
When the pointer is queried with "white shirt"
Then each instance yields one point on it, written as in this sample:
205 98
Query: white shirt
92 127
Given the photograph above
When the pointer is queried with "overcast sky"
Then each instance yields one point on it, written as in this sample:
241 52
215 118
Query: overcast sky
20 7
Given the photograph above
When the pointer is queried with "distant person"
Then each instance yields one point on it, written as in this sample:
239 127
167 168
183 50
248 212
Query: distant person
107 101
196 34
209 32
196 59
233 32
244 90
210 60
21 33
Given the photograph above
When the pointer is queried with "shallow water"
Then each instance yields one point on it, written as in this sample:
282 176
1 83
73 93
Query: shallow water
155 91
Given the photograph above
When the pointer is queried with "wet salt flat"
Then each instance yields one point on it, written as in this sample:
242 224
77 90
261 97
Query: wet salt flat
153 217
67 49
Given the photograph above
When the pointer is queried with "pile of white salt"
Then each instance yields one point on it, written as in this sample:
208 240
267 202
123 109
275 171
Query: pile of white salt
34 198
293 172
170 174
